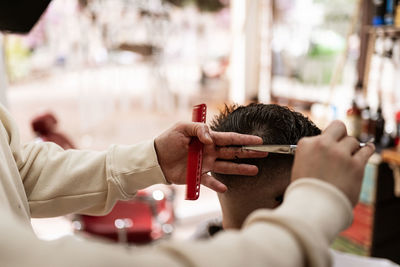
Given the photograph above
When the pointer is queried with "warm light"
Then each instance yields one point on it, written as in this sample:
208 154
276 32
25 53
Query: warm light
158 195
167 228
123 223
77 225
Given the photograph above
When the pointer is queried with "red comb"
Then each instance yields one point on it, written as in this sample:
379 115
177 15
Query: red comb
195 157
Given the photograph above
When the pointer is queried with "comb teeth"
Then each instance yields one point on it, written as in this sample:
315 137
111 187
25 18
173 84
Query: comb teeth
199 113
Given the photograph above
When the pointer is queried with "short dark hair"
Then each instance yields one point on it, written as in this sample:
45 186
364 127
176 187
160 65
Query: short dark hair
275 125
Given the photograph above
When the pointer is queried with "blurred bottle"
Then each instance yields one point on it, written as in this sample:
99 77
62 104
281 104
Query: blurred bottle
379 12
373 117
366 125
353 117
379 126
397 17
389 14
397 139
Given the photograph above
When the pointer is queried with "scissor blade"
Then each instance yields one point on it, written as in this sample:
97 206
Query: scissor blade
282 149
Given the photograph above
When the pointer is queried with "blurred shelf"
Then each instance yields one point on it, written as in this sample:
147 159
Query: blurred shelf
384 30
391 156
293 102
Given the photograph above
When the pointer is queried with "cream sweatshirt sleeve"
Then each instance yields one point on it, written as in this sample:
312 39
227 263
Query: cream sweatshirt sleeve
296 234
57 182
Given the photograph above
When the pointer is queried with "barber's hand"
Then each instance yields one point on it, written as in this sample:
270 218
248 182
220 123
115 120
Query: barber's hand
333 157
172 150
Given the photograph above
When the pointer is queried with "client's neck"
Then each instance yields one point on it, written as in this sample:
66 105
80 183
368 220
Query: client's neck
230 222
236 208
234 212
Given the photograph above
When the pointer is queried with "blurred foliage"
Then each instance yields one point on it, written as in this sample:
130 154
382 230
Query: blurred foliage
202 5
17 54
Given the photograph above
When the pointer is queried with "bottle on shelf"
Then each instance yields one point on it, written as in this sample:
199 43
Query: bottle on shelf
366 125
379 126
389 14
397 139
371 126
397 16
353 118
379 12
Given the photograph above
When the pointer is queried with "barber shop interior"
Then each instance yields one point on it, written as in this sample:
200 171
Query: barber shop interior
91 74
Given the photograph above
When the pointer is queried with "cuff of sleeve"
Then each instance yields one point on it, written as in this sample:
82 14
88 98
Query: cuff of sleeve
315 203
135 167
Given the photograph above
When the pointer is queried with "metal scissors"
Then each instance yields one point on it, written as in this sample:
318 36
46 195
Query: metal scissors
281 149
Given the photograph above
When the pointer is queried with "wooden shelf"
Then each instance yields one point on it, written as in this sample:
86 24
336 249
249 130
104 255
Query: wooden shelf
391 156
384 30
292 101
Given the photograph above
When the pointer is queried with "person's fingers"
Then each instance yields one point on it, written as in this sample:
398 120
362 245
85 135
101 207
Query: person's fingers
351 144
213 183
199 130
204 135
238 152
229 138
365 153
225 167
336 130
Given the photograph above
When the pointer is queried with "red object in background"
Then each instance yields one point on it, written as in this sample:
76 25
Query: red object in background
195 157
397 129
147 217
45 127
360 232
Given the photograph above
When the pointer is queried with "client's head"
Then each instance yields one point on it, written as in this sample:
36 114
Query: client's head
275 125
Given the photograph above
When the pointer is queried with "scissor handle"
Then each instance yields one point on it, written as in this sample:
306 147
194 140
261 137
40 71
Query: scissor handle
195 157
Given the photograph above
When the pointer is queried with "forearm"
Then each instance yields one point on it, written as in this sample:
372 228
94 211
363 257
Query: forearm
270 238
61 181
314 212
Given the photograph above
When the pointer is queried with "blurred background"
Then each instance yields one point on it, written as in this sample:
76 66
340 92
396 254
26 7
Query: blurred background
99 64
122 71
88 61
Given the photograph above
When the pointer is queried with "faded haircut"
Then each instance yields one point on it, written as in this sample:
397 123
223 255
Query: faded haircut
275 125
